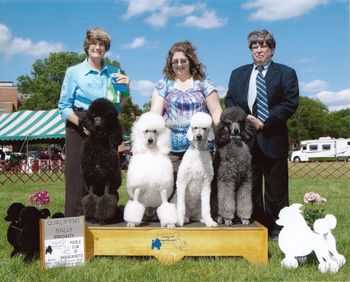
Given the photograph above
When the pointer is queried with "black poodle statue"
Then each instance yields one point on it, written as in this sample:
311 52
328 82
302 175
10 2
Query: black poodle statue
100 162
23 232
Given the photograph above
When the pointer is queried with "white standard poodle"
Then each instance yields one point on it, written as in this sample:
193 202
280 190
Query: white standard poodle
150 180
196 173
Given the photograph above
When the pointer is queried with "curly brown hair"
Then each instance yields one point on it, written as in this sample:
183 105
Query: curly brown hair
197 69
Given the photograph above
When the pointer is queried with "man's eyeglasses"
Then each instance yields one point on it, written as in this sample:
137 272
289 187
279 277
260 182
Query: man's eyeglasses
181 61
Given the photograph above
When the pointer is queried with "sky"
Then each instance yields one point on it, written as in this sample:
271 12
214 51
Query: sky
312 37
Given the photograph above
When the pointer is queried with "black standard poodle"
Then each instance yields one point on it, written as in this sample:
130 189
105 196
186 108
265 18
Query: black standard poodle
232 164
100 162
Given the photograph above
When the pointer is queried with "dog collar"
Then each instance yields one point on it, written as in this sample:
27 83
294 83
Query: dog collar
235 138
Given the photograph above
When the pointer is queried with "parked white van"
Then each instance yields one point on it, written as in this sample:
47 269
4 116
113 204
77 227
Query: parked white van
322 148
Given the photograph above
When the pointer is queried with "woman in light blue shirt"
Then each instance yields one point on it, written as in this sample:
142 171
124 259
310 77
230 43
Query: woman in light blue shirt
84 83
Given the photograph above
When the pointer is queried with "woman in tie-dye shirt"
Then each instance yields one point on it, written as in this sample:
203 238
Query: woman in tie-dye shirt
183 91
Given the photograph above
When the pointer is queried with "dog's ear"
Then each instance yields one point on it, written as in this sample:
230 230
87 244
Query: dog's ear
222 134
164 141
189 134
117 134
85 122
137 139
211 135
249 130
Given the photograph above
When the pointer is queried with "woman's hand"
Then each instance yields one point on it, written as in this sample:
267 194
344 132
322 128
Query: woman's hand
123 79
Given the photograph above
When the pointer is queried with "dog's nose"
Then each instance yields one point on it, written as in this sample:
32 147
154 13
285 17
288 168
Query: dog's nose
236 131
150 140
199 137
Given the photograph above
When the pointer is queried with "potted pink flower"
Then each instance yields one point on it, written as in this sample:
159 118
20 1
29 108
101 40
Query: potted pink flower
39 198
312 210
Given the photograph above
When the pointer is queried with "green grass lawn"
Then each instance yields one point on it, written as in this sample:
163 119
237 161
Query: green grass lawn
337 193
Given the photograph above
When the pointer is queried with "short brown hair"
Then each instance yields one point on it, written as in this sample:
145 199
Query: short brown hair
96 34
196 68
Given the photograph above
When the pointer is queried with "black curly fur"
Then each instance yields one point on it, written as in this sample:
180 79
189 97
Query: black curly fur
100 161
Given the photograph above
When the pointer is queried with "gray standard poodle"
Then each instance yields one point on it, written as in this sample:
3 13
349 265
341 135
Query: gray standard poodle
233 166
100 161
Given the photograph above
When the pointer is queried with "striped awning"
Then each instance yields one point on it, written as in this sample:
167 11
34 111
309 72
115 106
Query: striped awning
31 125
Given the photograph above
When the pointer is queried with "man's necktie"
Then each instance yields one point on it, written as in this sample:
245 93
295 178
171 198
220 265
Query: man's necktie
261 96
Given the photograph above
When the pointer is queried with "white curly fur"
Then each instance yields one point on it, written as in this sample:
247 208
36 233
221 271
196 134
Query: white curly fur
195 174
150 179
297 239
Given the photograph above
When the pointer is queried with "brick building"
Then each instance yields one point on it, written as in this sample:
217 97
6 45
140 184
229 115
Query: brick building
8 97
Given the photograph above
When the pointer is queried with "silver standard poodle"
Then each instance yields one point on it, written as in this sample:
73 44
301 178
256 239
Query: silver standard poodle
196 173
233 166
150 179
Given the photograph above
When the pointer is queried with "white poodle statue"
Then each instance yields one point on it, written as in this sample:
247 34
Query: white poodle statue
297 239
150 179
196 173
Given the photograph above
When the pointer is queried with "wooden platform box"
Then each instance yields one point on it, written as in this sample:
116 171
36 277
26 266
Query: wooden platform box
170 245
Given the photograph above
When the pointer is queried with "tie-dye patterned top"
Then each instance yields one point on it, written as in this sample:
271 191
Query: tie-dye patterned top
179 106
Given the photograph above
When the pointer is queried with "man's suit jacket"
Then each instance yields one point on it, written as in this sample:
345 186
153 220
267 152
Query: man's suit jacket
283 98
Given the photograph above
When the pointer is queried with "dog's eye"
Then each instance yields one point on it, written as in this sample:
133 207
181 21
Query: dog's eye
204 128
195 127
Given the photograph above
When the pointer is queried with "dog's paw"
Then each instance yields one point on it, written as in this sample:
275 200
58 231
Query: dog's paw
228 222
245 221
167 214
289 263
209 222
170 226
322 267
133 212
130 224
219 219
180 222
340 259
333 266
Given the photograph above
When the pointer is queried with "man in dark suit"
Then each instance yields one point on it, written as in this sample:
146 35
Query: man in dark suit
248 86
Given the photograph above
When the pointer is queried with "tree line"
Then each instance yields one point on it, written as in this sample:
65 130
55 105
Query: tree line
311 121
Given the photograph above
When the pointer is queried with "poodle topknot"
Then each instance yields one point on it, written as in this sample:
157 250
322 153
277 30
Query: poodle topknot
151 121
149 132
201 119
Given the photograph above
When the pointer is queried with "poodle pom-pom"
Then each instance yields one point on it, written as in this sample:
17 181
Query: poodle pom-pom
167 214
133 212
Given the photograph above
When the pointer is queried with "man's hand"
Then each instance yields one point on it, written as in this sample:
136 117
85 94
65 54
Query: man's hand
257 122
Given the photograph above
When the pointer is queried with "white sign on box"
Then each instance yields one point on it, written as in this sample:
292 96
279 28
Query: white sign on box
62 241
